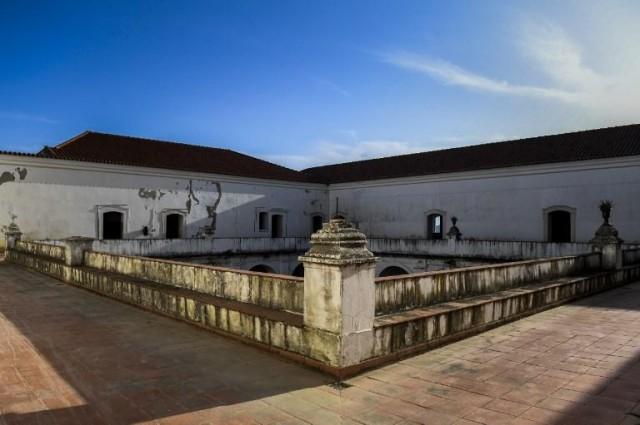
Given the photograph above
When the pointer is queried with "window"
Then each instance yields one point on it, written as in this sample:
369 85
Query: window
173 226
559 222
559 226
435 226
277 226
262 268
316 223
263 221
298 271
112 225
392 271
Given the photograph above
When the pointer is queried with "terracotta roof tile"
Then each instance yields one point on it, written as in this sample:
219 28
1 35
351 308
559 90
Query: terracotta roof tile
579 146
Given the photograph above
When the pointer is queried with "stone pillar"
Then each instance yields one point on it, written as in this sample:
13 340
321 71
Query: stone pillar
339 295
607 241
12 234
75 247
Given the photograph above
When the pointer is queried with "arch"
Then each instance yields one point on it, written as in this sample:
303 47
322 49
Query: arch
435 220
393 271
316 222
277 225
173 225
262 268
559 223
298 271
112 225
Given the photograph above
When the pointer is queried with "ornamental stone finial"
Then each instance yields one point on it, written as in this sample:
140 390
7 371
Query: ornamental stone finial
606 233
338 243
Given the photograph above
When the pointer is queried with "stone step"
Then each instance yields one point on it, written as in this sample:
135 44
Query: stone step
423 328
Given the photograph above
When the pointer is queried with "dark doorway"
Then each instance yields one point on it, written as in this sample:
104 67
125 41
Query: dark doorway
173 223
112 225
434 226
298 271
277 223
392 271
316 223
263 218
262 268
559 226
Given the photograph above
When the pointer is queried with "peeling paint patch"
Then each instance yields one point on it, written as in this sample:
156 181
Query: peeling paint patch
150 193
191 197
7 177
22 172
212 209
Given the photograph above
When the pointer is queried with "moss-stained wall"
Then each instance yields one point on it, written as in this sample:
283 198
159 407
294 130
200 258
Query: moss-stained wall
400 293
41 249
263 289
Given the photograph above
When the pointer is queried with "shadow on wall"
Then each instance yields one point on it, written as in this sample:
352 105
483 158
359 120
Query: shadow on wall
126 365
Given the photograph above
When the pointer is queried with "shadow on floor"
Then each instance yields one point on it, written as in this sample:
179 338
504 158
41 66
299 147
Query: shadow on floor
126 365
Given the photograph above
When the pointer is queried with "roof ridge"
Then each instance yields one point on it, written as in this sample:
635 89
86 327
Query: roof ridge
455 148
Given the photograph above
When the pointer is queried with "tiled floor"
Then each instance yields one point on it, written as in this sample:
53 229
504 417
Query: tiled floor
70 356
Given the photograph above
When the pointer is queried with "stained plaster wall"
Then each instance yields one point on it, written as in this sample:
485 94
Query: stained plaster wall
504 204
54 199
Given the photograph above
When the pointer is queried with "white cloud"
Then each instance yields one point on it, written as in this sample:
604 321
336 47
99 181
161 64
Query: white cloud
609 94
331 152
18 116
454 75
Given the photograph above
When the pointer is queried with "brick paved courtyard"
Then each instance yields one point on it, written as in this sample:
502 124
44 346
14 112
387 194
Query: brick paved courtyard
70 356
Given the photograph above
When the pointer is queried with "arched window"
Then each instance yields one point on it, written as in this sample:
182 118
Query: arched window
262 268
277 225
559 226
112 225
316 223
263 221
173 226
393 271
298 271
435 226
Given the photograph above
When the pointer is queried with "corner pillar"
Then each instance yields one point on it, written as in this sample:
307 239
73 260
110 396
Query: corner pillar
339 295
606 240
12 235
75 247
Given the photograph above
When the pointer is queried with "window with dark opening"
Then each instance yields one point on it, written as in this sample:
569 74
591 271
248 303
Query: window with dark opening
298 271
392 271
112 225
277 223
262 268
316 223
173 226
559 226
434 226
263 218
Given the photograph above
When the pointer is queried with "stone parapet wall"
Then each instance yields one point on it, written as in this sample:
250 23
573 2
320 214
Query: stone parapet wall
191 247
631 256
405 292
267 290
402 334
481 249
41 249
43 264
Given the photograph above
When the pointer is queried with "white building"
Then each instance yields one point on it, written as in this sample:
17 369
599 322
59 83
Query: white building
107 186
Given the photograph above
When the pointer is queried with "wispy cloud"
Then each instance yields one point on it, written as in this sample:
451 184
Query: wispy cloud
451 74
18 116
331 152
606 93
332 86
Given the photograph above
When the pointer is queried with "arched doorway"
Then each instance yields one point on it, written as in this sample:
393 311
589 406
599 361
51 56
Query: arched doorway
559 226
112 225
262 268
173 226
277 226
316 223
393 271
298 271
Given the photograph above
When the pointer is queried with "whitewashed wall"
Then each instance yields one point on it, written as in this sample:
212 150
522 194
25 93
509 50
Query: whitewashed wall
504 204
53 199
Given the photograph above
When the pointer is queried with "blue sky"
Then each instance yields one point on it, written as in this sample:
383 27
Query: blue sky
303 83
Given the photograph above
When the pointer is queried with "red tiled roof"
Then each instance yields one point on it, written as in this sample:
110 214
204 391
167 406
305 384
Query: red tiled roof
579 146
601 143
113 149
